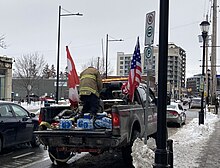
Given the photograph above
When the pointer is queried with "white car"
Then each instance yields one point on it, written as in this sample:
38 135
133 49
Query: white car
176 114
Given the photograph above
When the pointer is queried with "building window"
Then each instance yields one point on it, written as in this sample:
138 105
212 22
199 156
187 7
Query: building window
2 88
2 71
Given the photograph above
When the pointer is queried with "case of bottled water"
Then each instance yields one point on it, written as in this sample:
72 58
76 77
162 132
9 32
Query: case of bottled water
107 122
84 123
65 124
99 123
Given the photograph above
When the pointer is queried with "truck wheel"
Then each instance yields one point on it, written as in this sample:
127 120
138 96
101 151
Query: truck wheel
0 145
35 141
58 157
126 151
94 153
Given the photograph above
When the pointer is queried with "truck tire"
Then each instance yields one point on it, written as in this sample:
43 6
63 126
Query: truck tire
0 145
58 157
35 141
126 151
94 153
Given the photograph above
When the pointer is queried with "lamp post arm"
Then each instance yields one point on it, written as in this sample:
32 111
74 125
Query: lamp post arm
71 14
116 40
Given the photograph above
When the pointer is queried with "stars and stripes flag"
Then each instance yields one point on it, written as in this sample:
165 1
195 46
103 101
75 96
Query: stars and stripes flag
73 80
134 78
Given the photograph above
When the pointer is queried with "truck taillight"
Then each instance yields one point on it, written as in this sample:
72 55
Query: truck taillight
115 120
40 118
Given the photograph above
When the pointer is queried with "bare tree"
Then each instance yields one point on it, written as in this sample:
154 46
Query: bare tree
29 69
46 72
100 64
53 71
2 42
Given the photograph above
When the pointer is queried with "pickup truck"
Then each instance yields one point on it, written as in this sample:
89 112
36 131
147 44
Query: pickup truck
127 123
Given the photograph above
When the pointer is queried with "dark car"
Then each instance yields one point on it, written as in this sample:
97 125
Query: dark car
33 97
17 125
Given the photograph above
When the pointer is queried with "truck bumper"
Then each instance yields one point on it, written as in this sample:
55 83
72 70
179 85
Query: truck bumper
79 141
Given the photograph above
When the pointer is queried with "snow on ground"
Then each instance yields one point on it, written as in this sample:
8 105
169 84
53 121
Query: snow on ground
187 144
37 105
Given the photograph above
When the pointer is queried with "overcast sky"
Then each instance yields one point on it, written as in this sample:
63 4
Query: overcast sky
31 26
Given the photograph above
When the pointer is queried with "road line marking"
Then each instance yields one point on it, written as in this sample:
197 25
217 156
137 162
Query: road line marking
19 156
39 161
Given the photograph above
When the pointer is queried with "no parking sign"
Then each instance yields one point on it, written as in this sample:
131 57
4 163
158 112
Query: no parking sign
149 29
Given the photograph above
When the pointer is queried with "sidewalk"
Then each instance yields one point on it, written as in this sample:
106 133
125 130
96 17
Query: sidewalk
210 157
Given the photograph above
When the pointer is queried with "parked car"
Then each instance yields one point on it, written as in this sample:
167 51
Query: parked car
33 97
196 103
17 125
176 114
47 100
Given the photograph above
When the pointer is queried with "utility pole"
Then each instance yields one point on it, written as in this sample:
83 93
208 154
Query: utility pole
106 58
213 52
206 63
98 63
58 57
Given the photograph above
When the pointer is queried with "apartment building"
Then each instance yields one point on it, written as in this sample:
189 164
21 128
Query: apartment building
193 85
176 69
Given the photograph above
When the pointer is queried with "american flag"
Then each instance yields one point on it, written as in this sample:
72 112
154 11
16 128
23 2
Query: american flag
134 78
73 80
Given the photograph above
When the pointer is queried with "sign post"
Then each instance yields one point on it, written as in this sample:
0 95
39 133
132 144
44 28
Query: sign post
148 53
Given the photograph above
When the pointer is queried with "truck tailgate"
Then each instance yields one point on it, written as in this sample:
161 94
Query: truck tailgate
79 140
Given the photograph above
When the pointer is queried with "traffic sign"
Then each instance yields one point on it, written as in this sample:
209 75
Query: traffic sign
148 52
149 29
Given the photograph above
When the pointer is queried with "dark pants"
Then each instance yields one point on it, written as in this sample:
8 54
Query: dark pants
90 104
216 109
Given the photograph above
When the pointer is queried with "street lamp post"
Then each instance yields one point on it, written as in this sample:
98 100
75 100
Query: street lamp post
208 88
58 49
161 152
204 28
106 57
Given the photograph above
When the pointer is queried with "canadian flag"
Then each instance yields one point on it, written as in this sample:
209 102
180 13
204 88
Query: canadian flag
73 80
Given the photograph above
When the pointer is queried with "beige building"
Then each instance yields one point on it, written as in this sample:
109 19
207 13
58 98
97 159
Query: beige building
176 67
5 78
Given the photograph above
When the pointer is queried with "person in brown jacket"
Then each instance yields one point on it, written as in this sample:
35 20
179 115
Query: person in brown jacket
89 89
